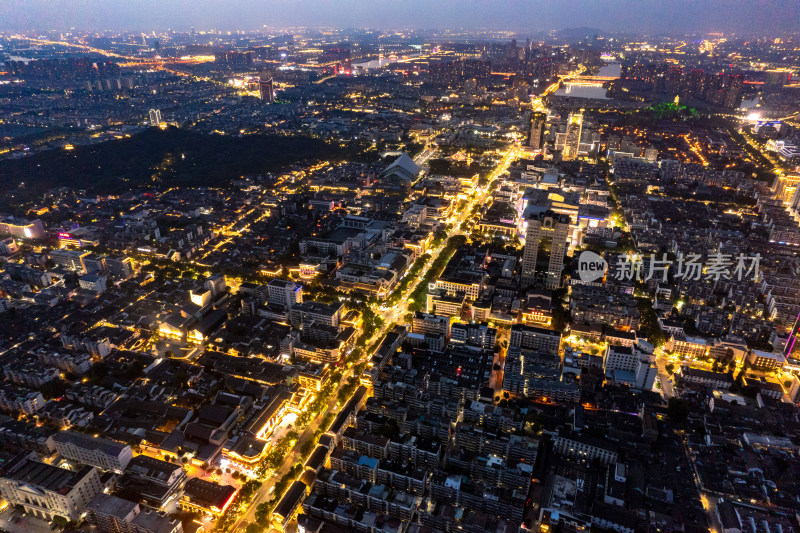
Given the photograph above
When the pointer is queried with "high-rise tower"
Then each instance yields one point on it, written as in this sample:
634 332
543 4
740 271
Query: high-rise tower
545 240
536 134
266 90
155 117
573 137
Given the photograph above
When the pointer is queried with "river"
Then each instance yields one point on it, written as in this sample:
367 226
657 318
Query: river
589 91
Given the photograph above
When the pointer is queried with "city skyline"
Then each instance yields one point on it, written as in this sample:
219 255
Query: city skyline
618 16
262 277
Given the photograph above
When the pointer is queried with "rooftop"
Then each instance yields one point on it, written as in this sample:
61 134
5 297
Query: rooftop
88 442
44 476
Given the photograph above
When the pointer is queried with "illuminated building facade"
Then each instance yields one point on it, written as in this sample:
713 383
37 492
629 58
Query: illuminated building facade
47 491
546 235
573 138
206 497
266 89
155 117
536 134
109 513
22 229
95 451
792 346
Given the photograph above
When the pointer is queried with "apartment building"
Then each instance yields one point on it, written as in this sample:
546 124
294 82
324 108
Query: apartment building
531 337
320 313
580 446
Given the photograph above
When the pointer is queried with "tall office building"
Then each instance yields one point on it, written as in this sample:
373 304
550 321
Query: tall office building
628 364
234 59
155 117
326 314
573 137
536 133
545 241
266 90
428 324
478 69
71 259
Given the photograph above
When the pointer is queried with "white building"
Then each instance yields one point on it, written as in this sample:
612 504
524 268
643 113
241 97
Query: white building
119 268
71 259
16 398
688 347
93 282
200 296
47 491
326 314
424 324
103 453
216 284
22 229
630 365
766 360
109 513
284 293
698 376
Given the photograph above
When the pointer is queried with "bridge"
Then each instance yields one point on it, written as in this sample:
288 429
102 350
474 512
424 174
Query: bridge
163 61
585 81
597 78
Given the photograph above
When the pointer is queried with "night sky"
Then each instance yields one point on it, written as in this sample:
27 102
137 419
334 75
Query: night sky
634 16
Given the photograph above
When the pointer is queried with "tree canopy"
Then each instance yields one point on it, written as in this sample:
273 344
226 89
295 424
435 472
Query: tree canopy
171 157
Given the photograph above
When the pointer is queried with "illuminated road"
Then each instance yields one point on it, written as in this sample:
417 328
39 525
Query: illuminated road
667 387
396 313
227 231
132 61
708 500
769 156
75 45
389 315
265 493
423 157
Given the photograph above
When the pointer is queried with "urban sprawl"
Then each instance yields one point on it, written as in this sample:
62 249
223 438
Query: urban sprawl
329 281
